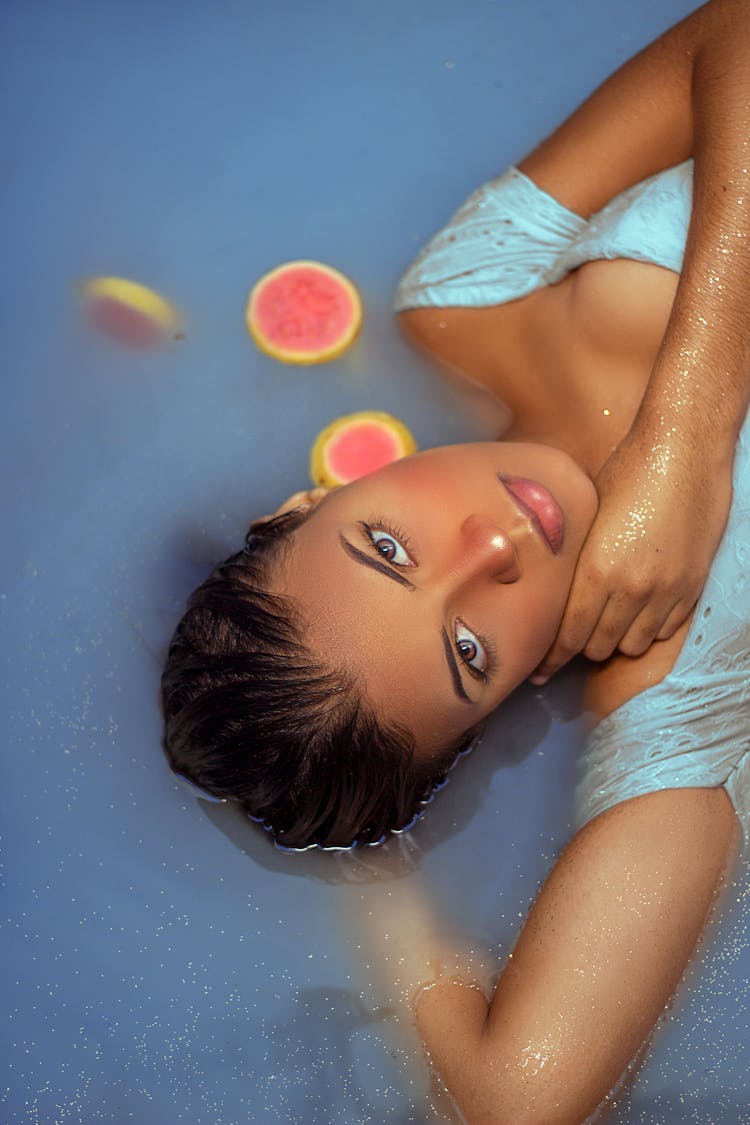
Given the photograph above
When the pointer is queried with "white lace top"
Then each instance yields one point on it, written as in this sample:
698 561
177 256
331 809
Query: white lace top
510 238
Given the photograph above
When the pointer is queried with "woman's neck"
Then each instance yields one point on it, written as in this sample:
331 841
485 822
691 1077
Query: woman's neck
589 446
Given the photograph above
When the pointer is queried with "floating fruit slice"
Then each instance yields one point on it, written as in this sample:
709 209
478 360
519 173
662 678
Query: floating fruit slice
356 444
128 312
303 312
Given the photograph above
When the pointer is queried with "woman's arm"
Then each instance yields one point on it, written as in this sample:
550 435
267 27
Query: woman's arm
666 490
604 947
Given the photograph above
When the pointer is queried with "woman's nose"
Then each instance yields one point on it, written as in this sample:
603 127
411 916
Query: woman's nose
488 550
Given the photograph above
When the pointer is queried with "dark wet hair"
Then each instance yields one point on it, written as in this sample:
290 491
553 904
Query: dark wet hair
250 714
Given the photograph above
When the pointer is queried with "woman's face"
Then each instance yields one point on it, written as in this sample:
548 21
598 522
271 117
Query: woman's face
439 582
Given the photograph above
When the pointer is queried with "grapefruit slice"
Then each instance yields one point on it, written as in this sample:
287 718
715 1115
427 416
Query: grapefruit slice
128 312
303 312
357 444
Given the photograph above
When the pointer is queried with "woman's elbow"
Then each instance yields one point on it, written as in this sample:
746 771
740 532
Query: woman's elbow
522 1088
501 1077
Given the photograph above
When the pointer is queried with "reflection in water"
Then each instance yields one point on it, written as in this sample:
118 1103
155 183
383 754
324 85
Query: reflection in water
327 1045
315 1043
510 737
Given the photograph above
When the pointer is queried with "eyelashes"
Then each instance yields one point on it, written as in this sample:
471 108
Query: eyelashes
389 541
472 646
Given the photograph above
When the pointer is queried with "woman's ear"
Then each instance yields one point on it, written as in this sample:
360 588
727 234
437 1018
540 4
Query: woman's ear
306 498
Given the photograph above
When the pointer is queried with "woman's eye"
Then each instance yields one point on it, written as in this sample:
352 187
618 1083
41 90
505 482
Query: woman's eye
389 546
470 648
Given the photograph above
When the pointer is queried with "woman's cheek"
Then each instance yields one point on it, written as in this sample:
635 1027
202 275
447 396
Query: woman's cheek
542 625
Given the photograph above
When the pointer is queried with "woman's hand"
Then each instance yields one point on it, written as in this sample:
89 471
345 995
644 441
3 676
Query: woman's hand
663 505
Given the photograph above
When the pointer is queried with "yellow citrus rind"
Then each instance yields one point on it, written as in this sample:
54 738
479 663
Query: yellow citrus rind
321 471
135 296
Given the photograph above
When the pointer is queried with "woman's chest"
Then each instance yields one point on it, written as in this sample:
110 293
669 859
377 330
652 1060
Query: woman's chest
575 354
620 309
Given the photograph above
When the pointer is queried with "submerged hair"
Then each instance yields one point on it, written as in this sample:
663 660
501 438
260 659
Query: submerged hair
252 715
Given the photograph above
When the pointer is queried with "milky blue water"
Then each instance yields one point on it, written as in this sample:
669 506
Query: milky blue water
161 961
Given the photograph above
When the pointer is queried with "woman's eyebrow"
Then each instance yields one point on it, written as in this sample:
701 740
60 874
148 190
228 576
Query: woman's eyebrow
381 567
450 657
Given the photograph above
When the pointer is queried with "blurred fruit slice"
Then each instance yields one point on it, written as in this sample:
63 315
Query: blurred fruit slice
129 312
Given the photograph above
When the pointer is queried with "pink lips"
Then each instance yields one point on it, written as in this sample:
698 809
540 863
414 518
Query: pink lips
537 503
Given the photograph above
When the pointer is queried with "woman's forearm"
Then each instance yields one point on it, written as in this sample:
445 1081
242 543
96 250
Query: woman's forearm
665 491
687 93
700 385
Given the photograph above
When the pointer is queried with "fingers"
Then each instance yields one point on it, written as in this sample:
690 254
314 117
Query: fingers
598 638
631 638
676 618
656 621
581 616
625 625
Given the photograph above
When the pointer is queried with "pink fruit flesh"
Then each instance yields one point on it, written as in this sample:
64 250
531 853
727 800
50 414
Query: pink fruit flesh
123 323
361 449
303 309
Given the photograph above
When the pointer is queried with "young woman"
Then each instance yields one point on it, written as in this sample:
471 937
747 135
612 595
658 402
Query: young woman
326 675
